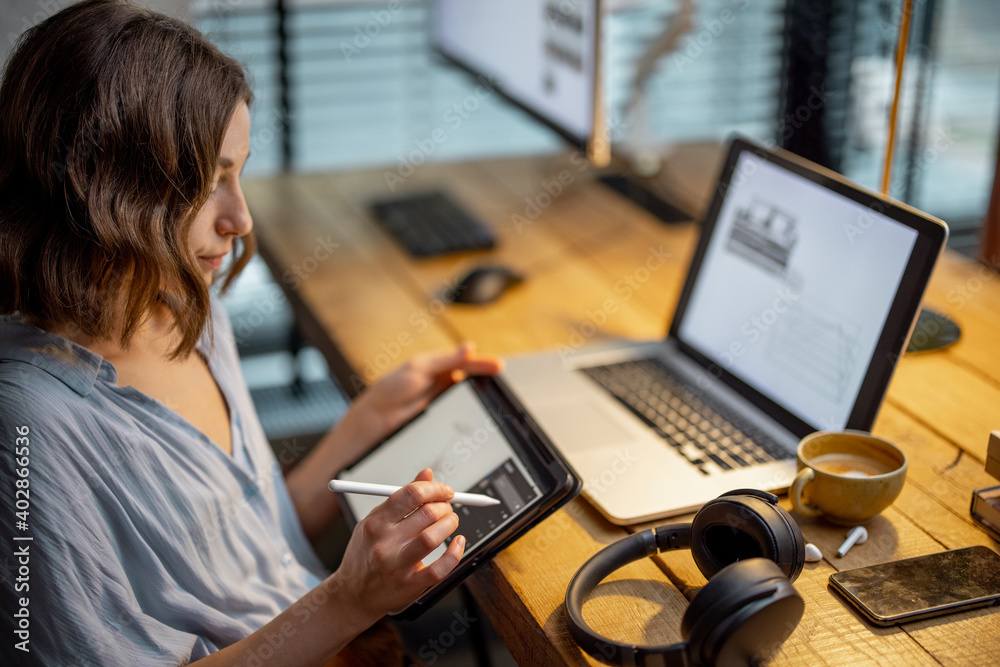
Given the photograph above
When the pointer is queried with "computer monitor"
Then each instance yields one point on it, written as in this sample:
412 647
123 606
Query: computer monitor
541 55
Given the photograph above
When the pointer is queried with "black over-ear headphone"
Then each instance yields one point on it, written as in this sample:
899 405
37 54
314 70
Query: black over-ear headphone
750 548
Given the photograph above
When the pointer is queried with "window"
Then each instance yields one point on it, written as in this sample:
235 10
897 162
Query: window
364 89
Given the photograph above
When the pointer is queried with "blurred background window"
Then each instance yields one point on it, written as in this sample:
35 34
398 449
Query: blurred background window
350 84
343 84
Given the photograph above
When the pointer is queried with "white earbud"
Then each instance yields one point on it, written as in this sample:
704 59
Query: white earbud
857 535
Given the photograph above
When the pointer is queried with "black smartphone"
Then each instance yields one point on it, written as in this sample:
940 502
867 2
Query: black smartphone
915 588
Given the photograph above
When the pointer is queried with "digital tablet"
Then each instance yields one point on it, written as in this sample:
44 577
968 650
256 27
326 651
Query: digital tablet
476 438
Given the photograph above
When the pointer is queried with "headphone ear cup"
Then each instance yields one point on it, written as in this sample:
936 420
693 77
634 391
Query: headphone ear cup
735 528
742 615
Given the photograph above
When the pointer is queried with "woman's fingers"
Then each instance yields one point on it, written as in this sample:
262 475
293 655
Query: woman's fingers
482 367
425 528
440 568
441 363
410 497
476 365
421 518
429 538
463 359
383 562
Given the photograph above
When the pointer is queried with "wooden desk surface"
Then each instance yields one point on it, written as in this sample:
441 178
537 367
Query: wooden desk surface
369 307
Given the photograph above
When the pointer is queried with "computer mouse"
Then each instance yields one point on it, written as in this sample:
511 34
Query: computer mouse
483 285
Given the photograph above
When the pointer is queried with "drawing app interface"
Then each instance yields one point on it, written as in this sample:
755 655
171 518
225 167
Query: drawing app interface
794 290
459 440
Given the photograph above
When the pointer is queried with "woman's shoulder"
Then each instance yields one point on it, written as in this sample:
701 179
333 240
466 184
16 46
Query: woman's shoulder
40 369
46 382
26 388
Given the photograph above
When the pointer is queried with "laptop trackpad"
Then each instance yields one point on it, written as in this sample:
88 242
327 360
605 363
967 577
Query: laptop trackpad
582 426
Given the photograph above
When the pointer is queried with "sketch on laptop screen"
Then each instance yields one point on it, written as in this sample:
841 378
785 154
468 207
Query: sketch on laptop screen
765 307
465 448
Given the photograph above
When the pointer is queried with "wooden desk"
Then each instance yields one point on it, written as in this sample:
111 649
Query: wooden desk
369 307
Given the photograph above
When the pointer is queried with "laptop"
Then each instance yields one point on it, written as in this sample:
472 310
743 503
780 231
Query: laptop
800 297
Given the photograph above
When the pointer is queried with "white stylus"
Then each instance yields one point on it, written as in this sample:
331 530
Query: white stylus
471 499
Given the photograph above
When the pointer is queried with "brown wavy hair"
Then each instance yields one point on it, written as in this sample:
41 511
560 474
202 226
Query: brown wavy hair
111 124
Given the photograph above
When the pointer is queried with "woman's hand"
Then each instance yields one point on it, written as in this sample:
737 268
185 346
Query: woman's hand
382 570
379 410
399 396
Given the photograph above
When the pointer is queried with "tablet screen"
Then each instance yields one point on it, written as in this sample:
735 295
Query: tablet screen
466 448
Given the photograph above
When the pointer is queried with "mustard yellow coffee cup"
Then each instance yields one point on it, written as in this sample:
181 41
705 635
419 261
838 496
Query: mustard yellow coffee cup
846 476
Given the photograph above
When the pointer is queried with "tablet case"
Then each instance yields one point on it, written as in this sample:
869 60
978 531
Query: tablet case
561 484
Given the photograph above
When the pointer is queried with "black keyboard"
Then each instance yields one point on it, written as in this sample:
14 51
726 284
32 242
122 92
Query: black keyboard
706 432
431 224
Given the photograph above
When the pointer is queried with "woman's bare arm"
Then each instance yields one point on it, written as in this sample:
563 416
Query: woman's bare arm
381 572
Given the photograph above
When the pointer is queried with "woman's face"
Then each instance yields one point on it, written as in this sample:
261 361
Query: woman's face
225 215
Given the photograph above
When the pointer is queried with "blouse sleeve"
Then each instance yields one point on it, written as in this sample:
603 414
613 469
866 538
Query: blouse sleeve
66 597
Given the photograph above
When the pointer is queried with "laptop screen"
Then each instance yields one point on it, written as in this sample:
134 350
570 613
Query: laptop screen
794 290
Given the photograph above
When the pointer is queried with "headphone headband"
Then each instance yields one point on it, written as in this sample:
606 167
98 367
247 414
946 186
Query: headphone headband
604 562
748 607
756 493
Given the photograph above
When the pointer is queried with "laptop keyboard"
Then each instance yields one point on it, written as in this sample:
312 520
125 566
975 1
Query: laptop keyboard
709 434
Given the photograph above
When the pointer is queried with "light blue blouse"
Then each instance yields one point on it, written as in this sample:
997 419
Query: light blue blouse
150 545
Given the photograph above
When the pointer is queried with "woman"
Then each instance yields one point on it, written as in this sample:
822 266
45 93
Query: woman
161 529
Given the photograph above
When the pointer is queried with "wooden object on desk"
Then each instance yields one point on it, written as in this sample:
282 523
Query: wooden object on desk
989 250
993 455
598 267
